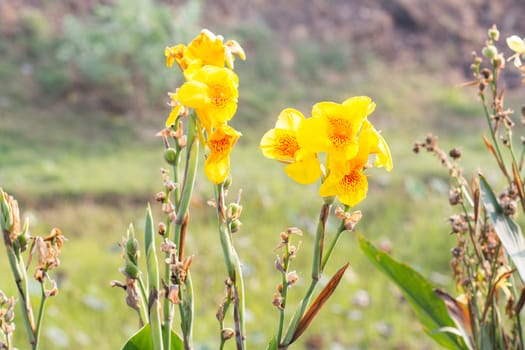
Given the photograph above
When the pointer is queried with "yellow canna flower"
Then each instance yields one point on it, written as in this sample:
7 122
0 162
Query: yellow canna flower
205 49
213 93
334 127
220 143
346 179
517 45
280 143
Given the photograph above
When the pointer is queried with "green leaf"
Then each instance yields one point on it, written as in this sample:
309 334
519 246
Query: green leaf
508 232
142 340
429 308
272 345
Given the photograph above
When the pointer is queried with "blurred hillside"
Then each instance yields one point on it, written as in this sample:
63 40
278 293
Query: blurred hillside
101 53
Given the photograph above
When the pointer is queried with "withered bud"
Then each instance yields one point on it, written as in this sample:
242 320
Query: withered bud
456 252
454 196
162 229
182 141
279 265
455 153
173 294
280 288
160 197
523 111
277 301
40 274
170 185
416 148
53 291
292 278
486 73
509 208
227 333
481 87
168 208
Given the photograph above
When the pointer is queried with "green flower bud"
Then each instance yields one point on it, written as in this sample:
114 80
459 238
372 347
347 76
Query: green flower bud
234 210
170 155
494 33
235 226
131 270
132 250
6 219
490 51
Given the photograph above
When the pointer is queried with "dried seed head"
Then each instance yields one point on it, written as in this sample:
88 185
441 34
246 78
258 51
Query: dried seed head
454 196
227 333
162 229
455 153
292 278
160 197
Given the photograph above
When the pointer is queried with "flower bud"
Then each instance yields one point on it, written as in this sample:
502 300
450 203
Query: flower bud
160 197
131 270
494 33
292 278
234 210
162 229
170 155
227 333
489 51
235 225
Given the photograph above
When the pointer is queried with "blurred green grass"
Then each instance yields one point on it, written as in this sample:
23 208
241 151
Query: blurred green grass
91 172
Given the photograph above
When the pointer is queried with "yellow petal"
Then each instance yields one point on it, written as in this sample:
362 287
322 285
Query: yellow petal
305 171
194 94
173 115
516 44
217 170
312 135
289 119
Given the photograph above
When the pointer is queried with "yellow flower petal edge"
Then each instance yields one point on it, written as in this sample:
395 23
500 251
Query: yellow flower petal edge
516 44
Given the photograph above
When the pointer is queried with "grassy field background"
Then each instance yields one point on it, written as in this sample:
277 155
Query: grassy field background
90 168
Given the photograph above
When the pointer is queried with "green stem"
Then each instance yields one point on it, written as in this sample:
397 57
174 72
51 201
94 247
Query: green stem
186 307
20 277
233 265
40 316
340 230
317 260
284 293
317 269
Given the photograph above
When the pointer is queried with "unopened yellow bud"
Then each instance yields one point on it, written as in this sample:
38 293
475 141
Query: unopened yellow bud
494 33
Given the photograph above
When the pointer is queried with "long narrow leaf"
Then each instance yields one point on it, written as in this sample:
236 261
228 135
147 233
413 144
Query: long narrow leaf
508 232
142 340
429 308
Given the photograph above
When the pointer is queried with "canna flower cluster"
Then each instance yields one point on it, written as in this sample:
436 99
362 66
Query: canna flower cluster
343 132
211 90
